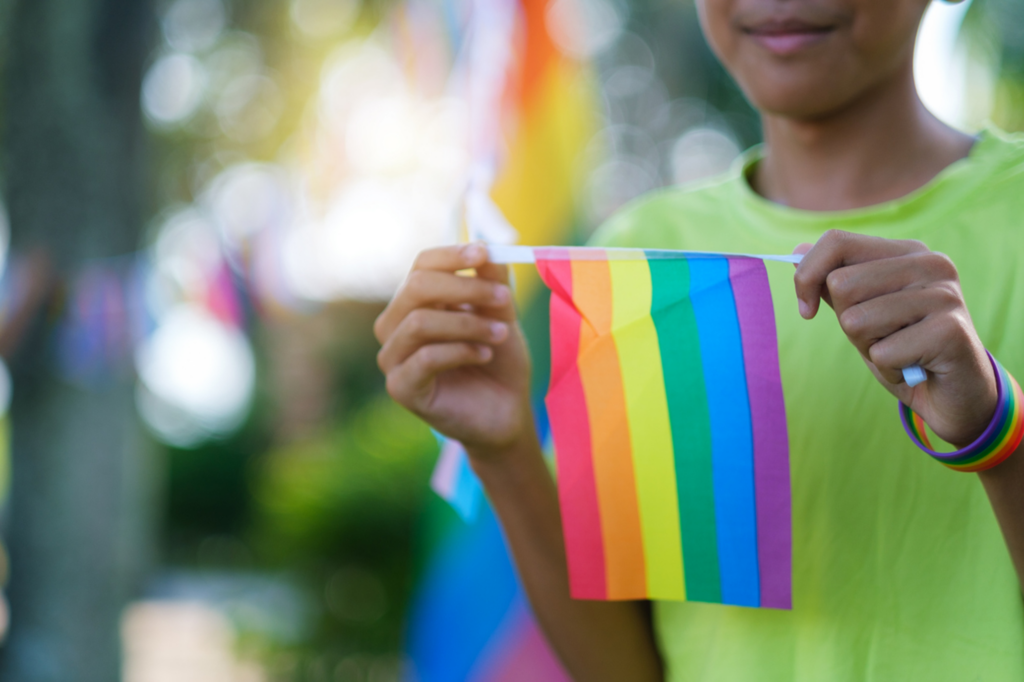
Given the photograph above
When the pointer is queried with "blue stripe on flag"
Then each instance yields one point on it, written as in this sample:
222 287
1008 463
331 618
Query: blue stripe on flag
731 438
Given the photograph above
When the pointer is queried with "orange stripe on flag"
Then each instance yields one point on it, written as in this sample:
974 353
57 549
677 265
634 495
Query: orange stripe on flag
609 429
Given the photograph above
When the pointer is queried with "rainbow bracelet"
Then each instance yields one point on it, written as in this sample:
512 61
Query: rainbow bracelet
995 444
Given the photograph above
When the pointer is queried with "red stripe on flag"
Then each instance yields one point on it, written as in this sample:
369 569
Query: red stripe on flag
570 425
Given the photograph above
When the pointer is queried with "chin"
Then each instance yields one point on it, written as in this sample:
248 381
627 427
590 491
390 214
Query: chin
797 105
803 97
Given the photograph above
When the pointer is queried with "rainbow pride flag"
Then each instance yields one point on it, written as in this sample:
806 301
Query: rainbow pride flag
669 426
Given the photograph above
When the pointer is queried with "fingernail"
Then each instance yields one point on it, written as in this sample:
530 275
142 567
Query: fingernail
485 352
805 310
501 295
473 253
498 330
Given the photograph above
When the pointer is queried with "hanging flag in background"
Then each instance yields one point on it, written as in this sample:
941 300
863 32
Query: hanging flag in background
455 481
555 115
471 620
97 332
530 116
669 425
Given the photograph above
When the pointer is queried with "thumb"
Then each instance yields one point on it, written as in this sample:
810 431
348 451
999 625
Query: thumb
494 272
801 250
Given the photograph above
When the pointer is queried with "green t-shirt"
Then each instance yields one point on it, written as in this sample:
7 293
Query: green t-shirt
900 572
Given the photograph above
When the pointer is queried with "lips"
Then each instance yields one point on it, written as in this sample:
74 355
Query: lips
784 37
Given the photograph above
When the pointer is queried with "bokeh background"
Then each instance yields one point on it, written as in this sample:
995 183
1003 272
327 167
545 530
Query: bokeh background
205 205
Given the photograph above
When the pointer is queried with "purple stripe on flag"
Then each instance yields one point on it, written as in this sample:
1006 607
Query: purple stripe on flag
768 418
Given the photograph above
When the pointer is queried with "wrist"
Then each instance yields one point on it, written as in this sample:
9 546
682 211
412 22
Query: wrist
982 407
507 461
996 443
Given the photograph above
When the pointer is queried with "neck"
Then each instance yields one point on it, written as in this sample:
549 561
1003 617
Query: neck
881 147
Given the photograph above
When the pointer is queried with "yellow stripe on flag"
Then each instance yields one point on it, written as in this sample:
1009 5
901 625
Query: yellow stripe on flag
650 430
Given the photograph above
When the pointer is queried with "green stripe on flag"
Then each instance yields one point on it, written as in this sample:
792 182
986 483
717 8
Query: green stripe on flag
676 325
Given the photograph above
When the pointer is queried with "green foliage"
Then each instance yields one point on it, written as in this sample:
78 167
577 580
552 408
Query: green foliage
353 489
341 510
995 28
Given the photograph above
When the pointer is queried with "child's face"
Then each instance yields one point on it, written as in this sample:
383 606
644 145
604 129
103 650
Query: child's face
807 58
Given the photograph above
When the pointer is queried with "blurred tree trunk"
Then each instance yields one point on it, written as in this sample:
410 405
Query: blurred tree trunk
74 174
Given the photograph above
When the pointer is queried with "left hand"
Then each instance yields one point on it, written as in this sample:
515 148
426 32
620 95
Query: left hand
900 304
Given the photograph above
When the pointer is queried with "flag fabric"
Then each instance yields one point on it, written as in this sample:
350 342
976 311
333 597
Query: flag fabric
532 114
454 480
470 620
669 425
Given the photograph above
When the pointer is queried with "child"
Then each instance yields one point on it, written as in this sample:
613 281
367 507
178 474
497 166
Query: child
903 568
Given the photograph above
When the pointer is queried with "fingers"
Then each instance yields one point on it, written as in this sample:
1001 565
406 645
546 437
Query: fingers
412 382
448 259
851 285
434 289
802 249
427 326
494 272
451 258
884 293
878 318
940 336
837 249
501 275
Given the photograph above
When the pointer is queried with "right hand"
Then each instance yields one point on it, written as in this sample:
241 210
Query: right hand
453 352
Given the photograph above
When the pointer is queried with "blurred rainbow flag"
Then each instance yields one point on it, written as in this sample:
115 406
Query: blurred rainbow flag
538 97
471 621
530 121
